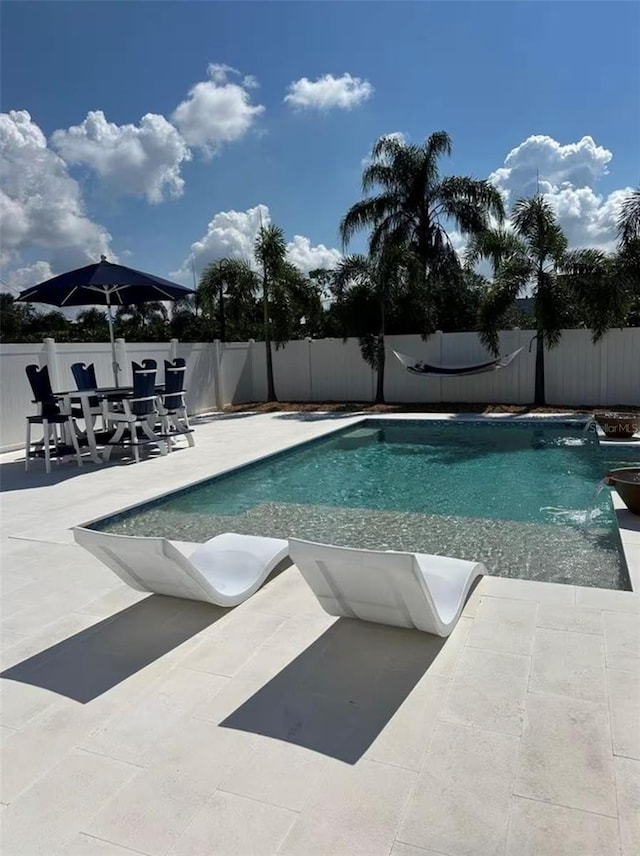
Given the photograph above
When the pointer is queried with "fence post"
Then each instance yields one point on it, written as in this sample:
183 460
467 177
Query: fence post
309 340
51 358
252 370
217 374
124 374
173 350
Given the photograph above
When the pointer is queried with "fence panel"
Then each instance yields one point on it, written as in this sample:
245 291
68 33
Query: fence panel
292 371
338 372
236 372
577 371
200 376
15 390
68 353
607 373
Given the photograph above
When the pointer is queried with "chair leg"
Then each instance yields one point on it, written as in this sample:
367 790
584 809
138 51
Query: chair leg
149 432
190 438
106 454
133 431
76 445
47 447
57 434
27 447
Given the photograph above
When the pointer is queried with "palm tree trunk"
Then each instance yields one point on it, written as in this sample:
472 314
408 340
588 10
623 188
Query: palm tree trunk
539 398
271 390
222 325
380 360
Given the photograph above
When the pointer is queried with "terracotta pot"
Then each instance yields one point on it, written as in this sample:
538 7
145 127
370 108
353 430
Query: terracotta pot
627 483
618 426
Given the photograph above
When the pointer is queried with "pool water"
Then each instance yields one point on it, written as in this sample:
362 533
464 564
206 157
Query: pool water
520 497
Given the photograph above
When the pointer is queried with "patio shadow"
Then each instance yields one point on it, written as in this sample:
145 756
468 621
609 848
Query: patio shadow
337 696
86 665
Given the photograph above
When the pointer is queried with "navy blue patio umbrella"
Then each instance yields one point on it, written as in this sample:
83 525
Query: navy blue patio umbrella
104 284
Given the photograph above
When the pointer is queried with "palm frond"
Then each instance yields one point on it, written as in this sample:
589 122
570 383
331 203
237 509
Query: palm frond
628 223
471 194
365 214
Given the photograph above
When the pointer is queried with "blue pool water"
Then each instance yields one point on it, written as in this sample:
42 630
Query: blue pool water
520 497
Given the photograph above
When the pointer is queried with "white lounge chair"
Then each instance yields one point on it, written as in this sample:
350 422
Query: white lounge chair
225 570
404 589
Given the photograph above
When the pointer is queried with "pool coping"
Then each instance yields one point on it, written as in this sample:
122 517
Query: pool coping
628 523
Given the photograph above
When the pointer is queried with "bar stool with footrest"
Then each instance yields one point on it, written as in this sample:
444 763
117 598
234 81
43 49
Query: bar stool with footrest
54 421
172 407
138 416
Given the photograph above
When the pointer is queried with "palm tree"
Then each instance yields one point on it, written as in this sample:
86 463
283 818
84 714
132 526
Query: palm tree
530 258
270 251
629 219
143 315
365 288
629 247
228 289
93 324
605 287
414 203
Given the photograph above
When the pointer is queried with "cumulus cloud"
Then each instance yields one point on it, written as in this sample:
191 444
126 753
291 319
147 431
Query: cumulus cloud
41 204
217 111
566 175
232 234
24 277
328 92
137 160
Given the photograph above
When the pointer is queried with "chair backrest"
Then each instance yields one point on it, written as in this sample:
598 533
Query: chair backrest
84 375
174 390
144 383
144 366
383 587
145 564
41 388
85 378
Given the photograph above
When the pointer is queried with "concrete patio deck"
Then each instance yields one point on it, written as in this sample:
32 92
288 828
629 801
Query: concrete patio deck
136 724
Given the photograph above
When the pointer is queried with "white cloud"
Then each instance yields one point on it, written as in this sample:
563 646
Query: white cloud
216 110
328 92
42 205
142 160
232 234
306 257
566 176
25 277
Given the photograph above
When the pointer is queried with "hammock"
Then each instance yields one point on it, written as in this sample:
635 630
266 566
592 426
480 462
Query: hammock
419 367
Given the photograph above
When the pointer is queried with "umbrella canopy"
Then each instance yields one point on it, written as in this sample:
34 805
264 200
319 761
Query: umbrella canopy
104 284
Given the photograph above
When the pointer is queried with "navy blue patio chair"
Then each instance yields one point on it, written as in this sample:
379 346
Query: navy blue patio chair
173 409
145 366
135 422
56 421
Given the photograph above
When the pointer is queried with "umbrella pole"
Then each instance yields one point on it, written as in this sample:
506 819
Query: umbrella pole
114 360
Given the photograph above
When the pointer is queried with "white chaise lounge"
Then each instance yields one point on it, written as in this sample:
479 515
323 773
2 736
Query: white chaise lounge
225 570
404 589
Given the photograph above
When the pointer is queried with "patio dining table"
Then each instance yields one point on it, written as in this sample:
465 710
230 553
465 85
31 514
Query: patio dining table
103 393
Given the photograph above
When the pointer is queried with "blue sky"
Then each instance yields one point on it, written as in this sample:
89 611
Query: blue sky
531 79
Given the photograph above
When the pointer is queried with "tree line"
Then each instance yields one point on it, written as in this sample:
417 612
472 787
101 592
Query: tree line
410 280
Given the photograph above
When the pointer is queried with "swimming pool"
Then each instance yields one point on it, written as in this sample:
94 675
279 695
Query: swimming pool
519 496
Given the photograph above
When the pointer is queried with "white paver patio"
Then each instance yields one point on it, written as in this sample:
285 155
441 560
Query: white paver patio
136 724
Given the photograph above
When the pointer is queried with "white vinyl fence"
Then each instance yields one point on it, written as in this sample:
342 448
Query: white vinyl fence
577 371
